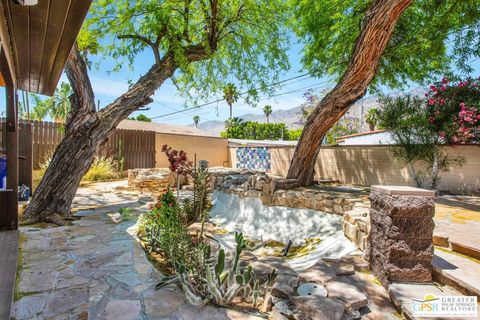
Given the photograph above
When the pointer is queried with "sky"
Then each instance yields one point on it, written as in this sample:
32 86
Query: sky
109 85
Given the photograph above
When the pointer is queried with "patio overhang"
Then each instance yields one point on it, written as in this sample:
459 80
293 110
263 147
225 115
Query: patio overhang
37 39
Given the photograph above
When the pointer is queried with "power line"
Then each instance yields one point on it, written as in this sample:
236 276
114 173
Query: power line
242 93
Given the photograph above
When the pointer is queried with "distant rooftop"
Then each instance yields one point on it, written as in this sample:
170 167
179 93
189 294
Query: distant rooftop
260 143
362 134
164 128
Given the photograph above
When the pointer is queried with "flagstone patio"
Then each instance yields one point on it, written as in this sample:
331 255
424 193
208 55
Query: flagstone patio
95 268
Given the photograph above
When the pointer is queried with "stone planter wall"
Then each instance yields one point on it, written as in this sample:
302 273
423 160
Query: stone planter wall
148 180
265 187
250 183
153 180
401 246
356 225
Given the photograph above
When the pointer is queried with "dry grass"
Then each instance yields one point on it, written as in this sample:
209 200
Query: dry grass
102 169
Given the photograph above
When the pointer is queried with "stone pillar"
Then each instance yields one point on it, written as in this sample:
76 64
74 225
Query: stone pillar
401 247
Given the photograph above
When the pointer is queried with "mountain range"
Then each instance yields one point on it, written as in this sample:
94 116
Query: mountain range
291 116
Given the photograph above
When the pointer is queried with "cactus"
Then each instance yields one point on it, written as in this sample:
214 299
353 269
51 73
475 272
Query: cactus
241 244
220 266
120 156
222 285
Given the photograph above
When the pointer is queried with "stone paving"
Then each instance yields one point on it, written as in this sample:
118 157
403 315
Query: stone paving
457 221
95 268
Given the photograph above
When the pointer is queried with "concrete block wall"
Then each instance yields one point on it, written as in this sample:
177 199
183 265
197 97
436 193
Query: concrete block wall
213 149
370 165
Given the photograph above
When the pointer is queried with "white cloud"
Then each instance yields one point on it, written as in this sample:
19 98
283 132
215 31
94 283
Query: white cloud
107 87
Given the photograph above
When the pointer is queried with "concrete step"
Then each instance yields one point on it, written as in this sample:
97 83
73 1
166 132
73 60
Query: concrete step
456 270
403 294
458 244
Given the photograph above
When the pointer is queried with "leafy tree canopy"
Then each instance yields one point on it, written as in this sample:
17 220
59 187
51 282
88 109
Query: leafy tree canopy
344 127
431 38
249 46
238 129
141 117
417 139
56 107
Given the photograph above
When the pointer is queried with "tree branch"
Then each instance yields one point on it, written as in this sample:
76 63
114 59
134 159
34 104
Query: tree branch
82 100
213 27
231 21
151 44
186 20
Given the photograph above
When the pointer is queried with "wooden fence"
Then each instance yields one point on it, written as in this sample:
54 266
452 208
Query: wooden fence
136 147
45 138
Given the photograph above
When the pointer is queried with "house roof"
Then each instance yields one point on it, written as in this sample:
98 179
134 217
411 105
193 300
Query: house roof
37 40
260 143
164 128
360 134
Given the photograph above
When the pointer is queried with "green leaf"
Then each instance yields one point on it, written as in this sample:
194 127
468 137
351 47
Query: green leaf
239 279
220 266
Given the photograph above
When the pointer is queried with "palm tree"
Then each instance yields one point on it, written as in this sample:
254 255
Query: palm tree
57 107
231 95
372 118
231 124
196 120
267 110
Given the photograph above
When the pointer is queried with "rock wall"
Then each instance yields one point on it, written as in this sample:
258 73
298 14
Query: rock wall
401 247
149 180
266 188
154 180
356 225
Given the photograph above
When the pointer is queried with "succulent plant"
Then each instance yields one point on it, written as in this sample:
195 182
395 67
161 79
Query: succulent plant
222 284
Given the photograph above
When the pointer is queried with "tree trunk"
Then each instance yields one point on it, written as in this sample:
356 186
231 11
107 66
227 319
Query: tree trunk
85 131
435 173
377 28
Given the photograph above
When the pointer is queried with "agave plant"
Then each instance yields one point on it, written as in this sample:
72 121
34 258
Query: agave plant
219 284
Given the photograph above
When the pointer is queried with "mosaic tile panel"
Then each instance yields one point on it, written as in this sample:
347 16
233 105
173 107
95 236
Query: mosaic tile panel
253 158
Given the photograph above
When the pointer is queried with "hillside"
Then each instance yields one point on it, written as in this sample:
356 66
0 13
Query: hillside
291 116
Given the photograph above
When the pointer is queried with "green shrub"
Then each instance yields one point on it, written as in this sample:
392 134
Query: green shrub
125 213
203 275
102 169
45 163
164 231
260 131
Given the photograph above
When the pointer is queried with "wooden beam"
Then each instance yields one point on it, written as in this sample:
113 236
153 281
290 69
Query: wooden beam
38 40
25 154
9 209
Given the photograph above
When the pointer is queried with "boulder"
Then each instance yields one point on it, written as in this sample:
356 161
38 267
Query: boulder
357 261
328 203
342 268
281 310
318 308
351 297
259 185
338 209
284 286
320 272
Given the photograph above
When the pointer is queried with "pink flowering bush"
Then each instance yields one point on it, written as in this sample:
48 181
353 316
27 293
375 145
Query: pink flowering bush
453 109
